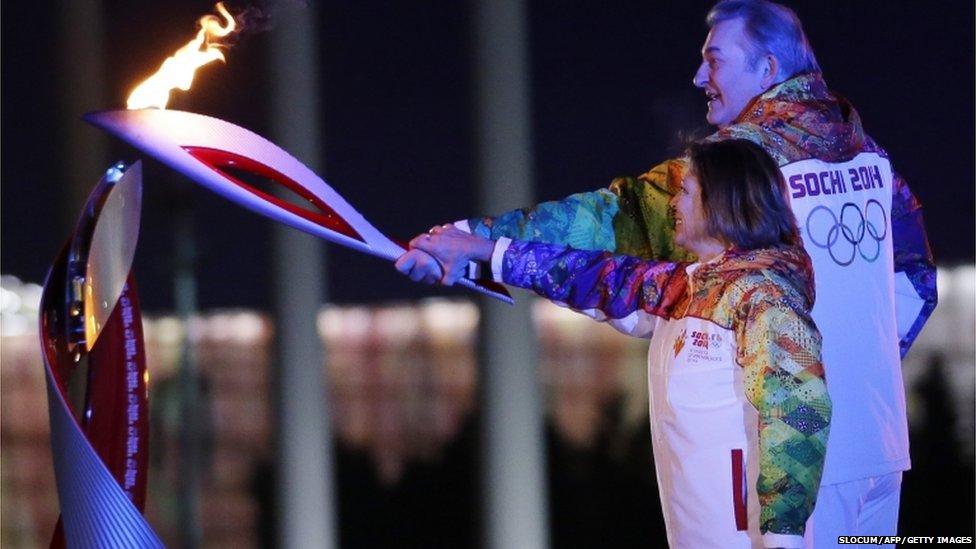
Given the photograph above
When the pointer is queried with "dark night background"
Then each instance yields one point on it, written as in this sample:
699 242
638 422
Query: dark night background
611 92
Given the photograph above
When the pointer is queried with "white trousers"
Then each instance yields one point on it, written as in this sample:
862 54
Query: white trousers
865 507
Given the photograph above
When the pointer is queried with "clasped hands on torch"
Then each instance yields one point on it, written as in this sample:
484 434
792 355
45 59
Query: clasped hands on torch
442 254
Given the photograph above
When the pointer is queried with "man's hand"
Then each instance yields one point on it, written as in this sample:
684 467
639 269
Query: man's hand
443 252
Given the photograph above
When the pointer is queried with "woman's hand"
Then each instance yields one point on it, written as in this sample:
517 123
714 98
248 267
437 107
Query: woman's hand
419 266
442 254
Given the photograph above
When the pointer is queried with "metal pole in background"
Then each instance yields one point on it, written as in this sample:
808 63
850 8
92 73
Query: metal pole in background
83 72
305 497
191 419
514 476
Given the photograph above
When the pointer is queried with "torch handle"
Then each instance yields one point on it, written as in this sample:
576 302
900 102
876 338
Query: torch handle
488 288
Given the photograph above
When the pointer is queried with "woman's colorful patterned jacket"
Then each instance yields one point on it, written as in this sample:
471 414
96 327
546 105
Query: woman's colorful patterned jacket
725 334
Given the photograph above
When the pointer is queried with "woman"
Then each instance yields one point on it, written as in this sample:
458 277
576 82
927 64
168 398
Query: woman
739 407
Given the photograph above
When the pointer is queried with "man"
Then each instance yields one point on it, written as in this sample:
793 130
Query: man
875 278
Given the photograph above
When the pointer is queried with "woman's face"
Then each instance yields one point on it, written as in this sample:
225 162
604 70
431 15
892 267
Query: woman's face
690 228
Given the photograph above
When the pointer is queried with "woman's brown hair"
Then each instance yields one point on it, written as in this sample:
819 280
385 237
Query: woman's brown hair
743 194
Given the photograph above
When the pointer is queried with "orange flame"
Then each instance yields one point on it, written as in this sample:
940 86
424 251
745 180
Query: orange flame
178 70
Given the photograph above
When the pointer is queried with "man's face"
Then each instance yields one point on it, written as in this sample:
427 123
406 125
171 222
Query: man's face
725 75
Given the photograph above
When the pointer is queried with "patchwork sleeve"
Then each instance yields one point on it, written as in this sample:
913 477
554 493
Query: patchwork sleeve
915 289
779 350
631 217
623 290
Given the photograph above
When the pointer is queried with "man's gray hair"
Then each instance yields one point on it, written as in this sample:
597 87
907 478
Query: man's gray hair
770 29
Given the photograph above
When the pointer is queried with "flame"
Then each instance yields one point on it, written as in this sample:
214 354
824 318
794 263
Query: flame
178 70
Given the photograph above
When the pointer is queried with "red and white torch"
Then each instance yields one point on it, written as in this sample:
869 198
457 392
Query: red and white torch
224 157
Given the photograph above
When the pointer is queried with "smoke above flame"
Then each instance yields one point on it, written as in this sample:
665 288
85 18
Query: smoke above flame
177 72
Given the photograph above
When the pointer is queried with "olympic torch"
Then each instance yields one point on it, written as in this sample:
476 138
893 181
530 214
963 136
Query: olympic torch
227 159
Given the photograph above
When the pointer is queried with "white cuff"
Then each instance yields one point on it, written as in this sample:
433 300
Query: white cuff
501 245
788 541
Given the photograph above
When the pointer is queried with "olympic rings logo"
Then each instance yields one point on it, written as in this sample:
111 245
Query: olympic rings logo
837 235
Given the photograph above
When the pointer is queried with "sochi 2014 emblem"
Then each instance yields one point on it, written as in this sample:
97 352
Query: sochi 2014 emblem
679 342
854 232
